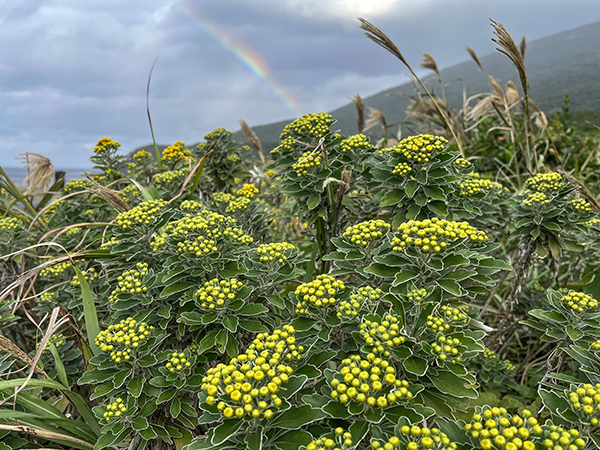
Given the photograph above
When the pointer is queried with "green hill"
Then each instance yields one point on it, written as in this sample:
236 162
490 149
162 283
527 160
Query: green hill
560 64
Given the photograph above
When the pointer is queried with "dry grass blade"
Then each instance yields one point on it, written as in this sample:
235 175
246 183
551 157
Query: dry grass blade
474 57
360 112
508 47
8 346
380 38
523 46
53 326
429 63
45 434
111 197
252 138
40 172
376 117
512 94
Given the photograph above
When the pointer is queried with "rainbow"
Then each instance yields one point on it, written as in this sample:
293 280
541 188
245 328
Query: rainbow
247 56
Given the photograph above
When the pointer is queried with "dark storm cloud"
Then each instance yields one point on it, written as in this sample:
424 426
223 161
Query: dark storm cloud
74 71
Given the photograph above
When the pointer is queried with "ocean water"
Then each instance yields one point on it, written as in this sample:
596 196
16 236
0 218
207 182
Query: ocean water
18 174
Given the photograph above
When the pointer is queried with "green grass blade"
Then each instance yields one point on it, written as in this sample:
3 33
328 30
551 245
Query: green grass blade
60 367
92 327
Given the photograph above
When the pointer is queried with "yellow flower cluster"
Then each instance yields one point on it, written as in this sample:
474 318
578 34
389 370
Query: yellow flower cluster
222 197
238 204
201 246
364 295
55 270
130 282
537 198
121 338
247 190
218 133
585 400
592 222
474 185
436 324
367 381
581 204
115 409
417 438
233 158
206 222
248 385
130 193
382 336
110 243
434 234
176 152
177 362
543 182
142 214
364 233
47 296
451 316
595 345
446 349
270 173
462 163
495 428
88 275
10 223
579 301
105 144
420 148
286 144
274 252
416 295
557 438
190 205
358 142
164 179
342 440
401 169
141 156
489 354
308 159
314 125
77 185
57 339
72 232
217 293
320 292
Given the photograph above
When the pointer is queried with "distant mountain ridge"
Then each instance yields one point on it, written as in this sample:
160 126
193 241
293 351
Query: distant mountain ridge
563 63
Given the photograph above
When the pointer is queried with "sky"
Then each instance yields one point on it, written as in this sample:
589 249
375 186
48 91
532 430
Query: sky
73 71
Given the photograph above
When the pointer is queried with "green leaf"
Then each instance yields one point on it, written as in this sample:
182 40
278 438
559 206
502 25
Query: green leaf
552 316
450 286
177 287
253 326
92 327
381 270
147 361
175 407
415 365
135 385
434 192
298 416
454 259
254 440
438 208
403 276
140 424
391 198
252 309
411 187
224 431
58 364
449 383
552 401
292 440
231 323
148 433
336 410
313 201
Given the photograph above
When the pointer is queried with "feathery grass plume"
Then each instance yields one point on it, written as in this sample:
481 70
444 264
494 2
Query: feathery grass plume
512 94
540 120
252 138
498 98
429 63
523 46
480 108
112 197
380 38
474 57
507 46
376 117
360 112
40 172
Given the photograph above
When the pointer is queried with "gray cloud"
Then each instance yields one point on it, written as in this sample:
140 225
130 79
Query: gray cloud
74 71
